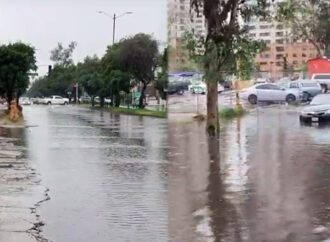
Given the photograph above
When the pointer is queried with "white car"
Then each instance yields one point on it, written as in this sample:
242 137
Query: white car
197 88
268 92
24 101
55 100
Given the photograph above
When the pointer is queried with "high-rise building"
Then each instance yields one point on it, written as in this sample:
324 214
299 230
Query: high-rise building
181 18
283 54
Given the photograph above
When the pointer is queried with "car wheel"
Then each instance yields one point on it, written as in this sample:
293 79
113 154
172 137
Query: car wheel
290 98
253 99
303 119
180 92
49 103
324 88
306 97
65 103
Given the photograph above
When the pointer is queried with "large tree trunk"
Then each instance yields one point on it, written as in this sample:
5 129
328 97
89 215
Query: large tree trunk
212 122
142 97
9 100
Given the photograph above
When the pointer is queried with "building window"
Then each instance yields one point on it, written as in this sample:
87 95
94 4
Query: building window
264 34
267 41
263 63
252 27
279 57
303 55
279 34
280 41
279 48
294 55
252 35
264 26
280 26
295 62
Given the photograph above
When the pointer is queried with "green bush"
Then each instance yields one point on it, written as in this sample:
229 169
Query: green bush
229 113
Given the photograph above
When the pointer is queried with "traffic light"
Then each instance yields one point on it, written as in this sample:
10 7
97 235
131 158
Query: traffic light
49 70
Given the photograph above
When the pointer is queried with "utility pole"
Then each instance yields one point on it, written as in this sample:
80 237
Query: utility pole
114 19
114 28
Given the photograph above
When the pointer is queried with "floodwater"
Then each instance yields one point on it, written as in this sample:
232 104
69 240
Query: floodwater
79 175
106 174
267 178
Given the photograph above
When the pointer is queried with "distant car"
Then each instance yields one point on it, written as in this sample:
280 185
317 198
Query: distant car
85 99
323 79
55 100
309 88
197 88
318 110
269 92
24 101
220 88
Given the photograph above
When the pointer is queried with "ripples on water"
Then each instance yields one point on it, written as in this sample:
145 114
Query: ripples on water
265 179
107 174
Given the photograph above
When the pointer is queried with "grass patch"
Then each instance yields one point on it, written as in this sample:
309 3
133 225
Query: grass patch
139 112
229 113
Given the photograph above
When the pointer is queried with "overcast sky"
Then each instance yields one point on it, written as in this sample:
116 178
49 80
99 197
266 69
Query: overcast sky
44 23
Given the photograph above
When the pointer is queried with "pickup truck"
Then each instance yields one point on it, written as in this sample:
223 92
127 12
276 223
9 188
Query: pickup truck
323 79
55 100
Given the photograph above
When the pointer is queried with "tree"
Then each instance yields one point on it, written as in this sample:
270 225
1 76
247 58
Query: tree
161 81
138 55
308 20
89 76
115 83
63 56
16 61
224 33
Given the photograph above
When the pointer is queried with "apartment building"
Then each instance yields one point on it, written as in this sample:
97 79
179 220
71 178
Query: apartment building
181 19
281 48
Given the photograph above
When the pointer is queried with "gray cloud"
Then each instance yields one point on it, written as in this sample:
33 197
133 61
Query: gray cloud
44 23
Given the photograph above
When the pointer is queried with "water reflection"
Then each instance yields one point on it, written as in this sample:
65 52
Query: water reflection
107 174
265 179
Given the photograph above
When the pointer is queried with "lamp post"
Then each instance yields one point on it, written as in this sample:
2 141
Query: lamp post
114 18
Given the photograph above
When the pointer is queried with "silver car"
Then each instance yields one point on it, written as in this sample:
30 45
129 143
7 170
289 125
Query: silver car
318 110
309 88
269 92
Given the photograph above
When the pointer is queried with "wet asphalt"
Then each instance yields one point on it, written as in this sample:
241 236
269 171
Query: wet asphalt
79 175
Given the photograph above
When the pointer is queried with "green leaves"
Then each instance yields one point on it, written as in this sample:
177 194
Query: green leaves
16 61
307 19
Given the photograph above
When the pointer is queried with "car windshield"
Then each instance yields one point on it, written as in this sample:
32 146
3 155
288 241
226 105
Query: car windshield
321 99
310 84
322 77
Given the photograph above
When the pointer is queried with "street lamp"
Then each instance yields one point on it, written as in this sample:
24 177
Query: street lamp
114 18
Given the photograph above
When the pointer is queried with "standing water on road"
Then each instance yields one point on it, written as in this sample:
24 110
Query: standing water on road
106 174
265 179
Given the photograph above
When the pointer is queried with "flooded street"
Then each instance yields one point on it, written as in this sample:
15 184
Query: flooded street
265 179
78 175
106 174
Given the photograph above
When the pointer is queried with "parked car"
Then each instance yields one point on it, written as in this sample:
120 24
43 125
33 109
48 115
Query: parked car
176 87
220 88
25 101
309 88
323 79
85 99
55 100
197 88
318 110
268 92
